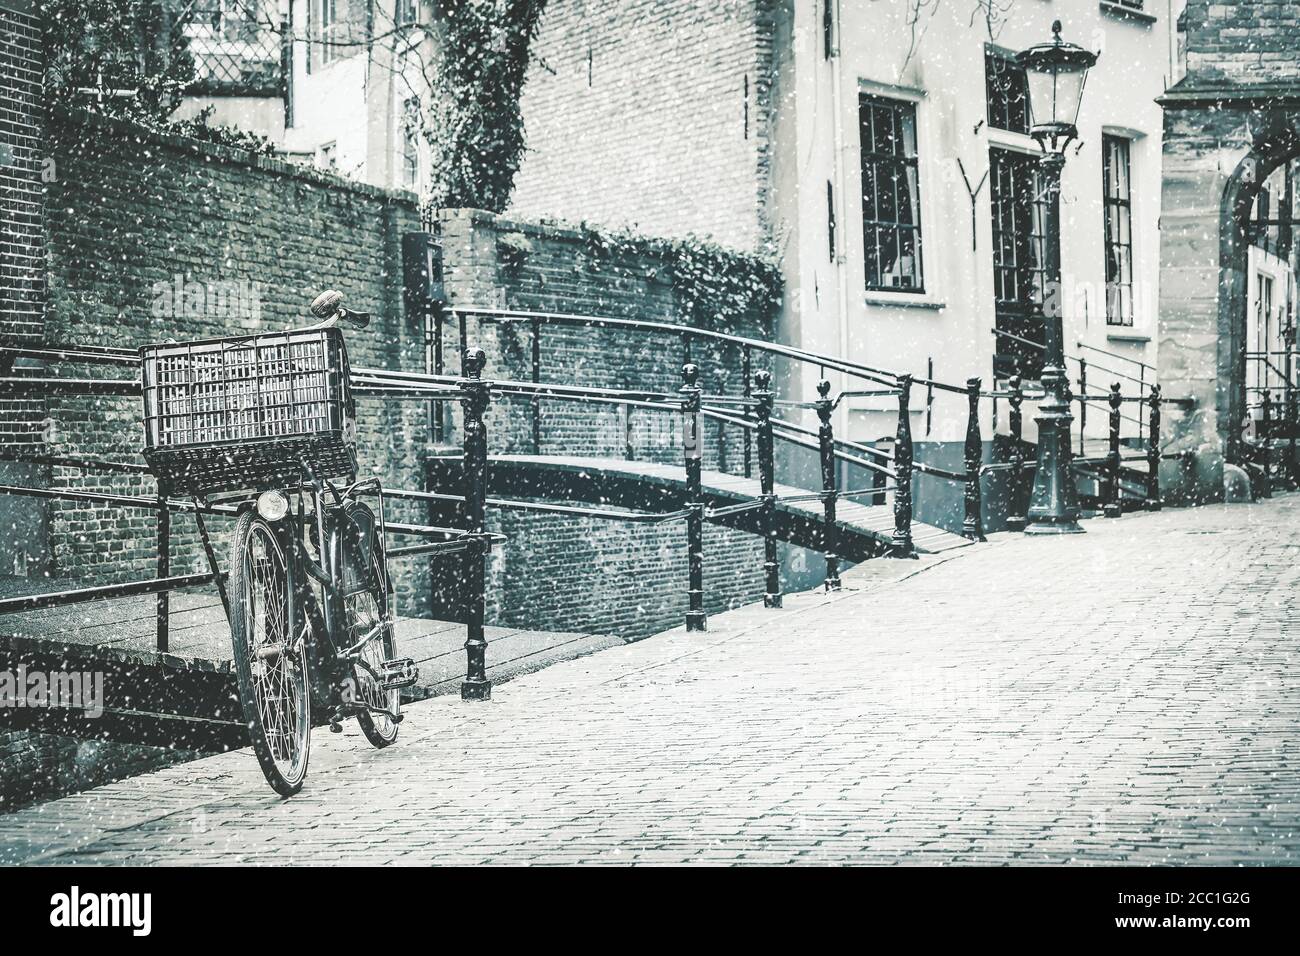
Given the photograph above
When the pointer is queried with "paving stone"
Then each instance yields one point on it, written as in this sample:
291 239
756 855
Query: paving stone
1121 696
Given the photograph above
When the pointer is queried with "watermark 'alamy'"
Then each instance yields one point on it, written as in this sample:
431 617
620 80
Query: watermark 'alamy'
183 298
71 690
76 908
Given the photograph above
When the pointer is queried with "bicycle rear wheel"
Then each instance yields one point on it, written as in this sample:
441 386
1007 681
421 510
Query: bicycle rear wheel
270 661
364 610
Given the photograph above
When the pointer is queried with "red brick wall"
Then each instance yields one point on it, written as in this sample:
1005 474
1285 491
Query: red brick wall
651 114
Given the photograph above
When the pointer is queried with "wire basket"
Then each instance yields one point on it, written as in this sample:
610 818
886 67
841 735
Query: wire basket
247 413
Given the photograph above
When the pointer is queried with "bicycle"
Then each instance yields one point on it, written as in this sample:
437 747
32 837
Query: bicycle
269 422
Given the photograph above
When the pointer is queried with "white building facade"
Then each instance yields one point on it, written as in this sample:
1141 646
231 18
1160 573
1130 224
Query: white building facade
907 209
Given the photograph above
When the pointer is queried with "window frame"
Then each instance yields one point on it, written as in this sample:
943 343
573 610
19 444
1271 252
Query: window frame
327 28
996 54
891 163
1111 204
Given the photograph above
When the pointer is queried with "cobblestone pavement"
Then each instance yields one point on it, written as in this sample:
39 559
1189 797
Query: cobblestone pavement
1128 695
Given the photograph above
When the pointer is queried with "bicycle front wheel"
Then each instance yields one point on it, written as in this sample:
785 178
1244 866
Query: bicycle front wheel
270 661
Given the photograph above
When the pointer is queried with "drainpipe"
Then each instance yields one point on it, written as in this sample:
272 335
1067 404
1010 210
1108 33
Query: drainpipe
841 212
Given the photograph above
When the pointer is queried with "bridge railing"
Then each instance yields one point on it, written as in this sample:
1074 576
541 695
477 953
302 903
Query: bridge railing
752 411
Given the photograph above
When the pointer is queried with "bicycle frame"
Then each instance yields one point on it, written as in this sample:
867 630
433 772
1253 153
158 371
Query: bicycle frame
329 663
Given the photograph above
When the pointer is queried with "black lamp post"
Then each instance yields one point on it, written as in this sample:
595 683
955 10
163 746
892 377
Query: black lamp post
1056 73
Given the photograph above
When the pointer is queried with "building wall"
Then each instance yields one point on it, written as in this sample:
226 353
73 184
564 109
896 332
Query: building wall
354 99
24 169
1228 123
938 64
1243 42
651 115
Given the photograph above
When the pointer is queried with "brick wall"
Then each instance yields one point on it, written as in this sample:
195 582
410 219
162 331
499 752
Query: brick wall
22 166
1243 42
132 211
652 114
621 578
21 163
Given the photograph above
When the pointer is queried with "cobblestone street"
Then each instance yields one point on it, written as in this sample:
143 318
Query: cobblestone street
1123 696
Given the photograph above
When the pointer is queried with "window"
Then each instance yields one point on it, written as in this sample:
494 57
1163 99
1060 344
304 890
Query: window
405 13
1006 91
1117 209
891 205
328 157
411 144
1019 229
328 30
1261 230
1019 276
1128 4
828 29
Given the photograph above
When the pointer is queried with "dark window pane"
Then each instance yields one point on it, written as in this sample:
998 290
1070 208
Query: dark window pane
890 194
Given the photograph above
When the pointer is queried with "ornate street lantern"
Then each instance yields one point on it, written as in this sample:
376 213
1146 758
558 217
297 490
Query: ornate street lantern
1056 73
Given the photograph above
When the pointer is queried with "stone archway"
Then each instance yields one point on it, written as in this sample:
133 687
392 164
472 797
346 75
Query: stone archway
1218 150
1276 141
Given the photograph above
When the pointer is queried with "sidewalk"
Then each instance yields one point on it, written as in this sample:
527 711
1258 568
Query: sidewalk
1127 695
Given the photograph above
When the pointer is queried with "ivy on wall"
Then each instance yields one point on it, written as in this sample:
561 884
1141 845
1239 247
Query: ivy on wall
476 130
715 288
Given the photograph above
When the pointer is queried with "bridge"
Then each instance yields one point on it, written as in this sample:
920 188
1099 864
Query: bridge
169 649
862 530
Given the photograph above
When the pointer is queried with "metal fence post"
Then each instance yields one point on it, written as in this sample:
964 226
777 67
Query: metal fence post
164 570
692 452
1016 422
972 527
1083 406
902 542
763 400
1289 399
1111 508
830 491
1265 434
438 415
721 378
537 377
1153 452
476 685
745 369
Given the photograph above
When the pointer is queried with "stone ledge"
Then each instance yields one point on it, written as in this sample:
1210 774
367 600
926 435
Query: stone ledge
1120 12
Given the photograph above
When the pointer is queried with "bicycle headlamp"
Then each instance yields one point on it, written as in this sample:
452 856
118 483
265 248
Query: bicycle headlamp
272 505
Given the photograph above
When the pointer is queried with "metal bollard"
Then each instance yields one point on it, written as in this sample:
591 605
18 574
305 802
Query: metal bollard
1153 452
763 400
164 570
830 492
972 527
902 542
692 452
1015 516
476 685
1111 508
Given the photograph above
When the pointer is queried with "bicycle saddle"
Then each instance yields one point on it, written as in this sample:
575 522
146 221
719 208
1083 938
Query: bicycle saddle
329 306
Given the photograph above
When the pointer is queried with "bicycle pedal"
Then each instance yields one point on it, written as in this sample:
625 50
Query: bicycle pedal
336 727
397 673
